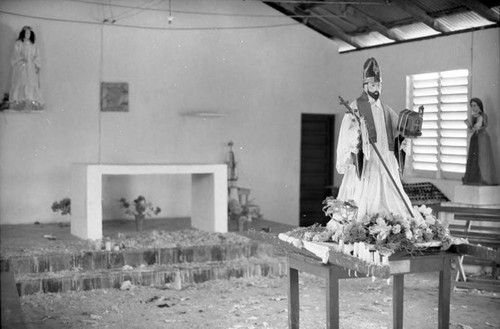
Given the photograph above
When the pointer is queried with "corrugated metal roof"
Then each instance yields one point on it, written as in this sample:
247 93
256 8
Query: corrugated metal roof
463 21
361 24
415 31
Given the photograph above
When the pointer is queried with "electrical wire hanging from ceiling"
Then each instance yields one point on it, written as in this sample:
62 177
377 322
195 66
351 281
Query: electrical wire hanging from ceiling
247 27
203 13
139 9
170 18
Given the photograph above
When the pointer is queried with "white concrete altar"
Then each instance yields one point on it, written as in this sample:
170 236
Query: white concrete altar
208 190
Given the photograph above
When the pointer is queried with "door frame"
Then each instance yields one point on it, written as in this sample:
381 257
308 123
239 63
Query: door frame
331 164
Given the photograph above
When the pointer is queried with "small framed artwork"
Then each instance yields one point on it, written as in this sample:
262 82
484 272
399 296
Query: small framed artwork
114 97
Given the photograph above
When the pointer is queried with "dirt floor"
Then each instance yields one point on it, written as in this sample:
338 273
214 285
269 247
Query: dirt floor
258 303
238 303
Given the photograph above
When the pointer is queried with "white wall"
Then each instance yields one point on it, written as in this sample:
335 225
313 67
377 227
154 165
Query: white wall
260 79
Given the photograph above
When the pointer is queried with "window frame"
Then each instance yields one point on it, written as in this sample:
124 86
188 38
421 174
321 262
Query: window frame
410 96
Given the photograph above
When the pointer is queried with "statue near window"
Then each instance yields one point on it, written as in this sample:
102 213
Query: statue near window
480 169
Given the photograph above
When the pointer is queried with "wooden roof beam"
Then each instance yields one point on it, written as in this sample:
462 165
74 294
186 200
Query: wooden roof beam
481 9
336 31
372 23
412 9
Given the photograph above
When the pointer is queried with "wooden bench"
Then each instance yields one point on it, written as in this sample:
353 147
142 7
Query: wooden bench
481 228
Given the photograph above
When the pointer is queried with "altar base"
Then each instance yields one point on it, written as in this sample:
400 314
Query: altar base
484 195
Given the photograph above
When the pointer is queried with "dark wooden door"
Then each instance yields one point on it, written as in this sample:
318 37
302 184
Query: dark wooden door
316 166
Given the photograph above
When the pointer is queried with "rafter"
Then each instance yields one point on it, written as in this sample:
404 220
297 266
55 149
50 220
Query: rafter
412 9
372 23
336 30
481 9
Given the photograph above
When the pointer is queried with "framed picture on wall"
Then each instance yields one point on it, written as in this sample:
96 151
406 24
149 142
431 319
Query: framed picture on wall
114 97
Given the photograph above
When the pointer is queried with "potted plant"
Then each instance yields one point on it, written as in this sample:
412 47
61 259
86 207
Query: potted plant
140 208
64 206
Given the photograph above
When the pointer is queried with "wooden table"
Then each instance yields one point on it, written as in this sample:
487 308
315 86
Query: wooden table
399 266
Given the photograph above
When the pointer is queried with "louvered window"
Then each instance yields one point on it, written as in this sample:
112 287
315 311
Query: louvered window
441 151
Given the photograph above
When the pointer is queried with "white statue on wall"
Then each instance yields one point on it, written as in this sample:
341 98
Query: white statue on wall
25 93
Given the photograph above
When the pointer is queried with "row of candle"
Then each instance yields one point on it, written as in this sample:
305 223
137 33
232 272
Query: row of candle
362 251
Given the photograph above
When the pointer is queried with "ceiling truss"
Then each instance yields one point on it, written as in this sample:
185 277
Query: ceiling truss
353 22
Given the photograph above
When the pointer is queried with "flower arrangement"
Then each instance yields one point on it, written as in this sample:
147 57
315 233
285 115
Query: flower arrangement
139 206
140 209
388 234
64 206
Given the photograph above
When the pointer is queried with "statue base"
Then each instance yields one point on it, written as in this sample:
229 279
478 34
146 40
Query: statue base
484 195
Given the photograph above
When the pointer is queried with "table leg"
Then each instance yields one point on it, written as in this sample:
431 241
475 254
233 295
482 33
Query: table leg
444 295
398 301
293 298
332 299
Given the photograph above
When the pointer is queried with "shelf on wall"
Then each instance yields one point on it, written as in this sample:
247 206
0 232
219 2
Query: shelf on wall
203 114
21 111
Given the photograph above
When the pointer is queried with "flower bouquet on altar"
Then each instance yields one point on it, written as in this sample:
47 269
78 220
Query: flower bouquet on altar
387 234
140 208
372 238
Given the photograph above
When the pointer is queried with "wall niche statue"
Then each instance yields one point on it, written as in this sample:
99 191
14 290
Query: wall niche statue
25 93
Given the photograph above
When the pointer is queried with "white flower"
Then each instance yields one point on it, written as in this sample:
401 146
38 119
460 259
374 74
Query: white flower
396 229
430 220
381 229
337 216
424 210
417 235
337 235
333 225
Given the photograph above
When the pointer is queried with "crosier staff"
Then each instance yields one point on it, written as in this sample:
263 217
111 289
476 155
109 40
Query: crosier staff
358 117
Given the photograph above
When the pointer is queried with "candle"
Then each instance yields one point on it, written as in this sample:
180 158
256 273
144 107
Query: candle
361 251
385 260
349 248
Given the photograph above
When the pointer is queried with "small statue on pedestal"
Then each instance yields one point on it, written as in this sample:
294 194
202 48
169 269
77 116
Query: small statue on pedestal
480 169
